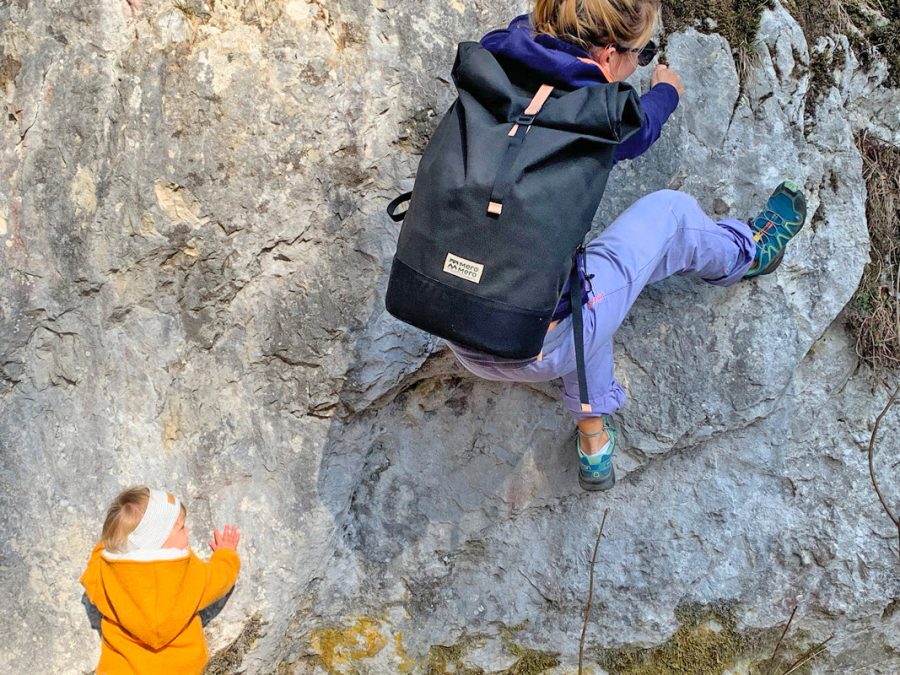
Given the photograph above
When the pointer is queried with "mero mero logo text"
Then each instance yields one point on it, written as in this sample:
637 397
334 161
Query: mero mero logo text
462 268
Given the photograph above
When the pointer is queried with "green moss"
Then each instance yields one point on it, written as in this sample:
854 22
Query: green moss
229 659
706 643
530 661
444 659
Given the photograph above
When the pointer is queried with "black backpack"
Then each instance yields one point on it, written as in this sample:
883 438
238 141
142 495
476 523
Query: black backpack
503 198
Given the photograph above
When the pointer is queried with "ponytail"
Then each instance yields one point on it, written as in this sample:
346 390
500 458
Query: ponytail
593 23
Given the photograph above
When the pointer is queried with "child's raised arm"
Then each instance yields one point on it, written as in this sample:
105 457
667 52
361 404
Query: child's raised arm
223 566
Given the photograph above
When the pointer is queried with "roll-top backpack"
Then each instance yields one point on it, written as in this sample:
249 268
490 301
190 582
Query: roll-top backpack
503 198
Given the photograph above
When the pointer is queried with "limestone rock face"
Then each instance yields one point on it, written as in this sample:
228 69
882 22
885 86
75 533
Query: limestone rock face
193 255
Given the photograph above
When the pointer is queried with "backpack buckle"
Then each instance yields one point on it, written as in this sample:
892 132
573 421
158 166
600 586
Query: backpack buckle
525 120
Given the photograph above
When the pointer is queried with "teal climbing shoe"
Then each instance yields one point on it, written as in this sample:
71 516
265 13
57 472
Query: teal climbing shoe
596 472
775 226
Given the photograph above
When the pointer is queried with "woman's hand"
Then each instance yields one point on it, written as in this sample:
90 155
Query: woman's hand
669 76
227 538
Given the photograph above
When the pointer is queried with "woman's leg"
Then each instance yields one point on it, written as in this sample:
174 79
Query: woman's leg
604 392
662 234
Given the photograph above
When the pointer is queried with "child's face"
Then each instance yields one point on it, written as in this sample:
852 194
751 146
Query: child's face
178 537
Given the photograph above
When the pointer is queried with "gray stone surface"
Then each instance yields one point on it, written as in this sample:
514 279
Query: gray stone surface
194 253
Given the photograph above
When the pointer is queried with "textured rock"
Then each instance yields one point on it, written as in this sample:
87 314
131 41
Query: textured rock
194 253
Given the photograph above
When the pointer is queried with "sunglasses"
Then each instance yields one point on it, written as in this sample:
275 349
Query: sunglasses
644 54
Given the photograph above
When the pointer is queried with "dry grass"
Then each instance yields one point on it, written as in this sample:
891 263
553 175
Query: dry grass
868 24
736 20
874 312
824 17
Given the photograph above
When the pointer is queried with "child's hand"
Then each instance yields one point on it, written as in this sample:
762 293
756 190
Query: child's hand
227 538
665 74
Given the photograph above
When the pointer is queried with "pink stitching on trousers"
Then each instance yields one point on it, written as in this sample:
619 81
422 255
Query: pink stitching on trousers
600 297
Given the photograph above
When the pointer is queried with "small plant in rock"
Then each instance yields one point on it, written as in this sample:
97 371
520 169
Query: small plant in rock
185 9
736 20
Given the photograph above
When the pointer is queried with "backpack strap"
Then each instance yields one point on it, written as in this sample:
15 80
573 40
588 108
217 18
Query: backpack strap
505 175
540 98
392 207
578 333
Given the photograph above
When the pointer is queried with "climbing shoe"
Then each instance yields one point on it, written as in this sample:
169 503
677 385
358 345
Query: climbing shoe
775 226
596 472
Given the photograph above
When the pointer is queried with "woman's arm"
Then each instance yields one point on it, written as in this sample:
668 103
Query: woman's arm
657 104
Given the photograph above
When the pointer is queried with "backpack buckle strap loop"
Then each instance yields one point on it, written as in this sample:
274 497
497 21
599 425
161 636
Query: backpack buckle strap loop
522 120
525 119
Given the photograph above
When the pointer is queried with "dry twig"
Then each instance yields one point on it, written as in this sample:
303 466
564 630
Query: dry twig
587 609
881 498
778 644
809 657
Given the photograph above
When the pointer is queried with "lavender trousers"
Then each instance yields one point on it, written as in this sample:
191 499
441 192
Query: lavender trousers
662 234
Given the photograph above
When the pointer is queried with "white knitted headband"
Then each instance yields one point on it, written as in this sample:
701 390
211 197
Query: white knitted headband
157 523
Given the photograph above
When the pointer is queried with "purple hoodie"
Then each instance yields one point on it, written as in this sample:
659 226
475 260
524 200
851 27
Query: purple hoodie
557 62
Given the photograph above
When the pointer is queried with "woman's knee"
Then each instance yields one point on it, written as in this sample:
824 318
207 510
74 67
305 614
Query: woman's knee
673 199
672 208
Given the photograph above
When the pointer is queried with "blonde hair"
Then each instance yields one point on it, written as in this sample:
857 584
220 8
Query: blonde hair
594 23
125 514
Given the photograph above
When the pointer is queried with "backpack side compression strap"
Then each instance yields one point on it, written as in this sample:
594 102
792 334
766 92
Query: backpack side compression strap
505 174
578 334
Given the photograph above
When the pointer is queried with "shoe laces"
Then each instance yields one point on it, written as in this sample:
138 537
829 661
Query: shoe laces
771 218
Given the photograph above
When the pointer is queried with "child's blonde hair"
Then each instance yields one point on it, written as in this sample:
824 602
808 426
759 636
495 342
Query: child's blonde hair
124 515
595 23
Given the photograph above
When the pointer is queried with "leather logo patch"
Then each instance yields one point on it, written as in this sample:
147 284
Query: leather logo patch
462 268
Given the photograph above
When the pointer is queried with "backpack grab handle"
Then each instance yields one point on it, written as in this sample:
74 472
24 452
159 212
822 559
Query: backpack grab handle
392 207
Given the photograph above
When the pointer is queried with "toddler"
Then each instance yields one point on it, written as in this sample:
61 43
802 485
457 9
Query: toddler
149 585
